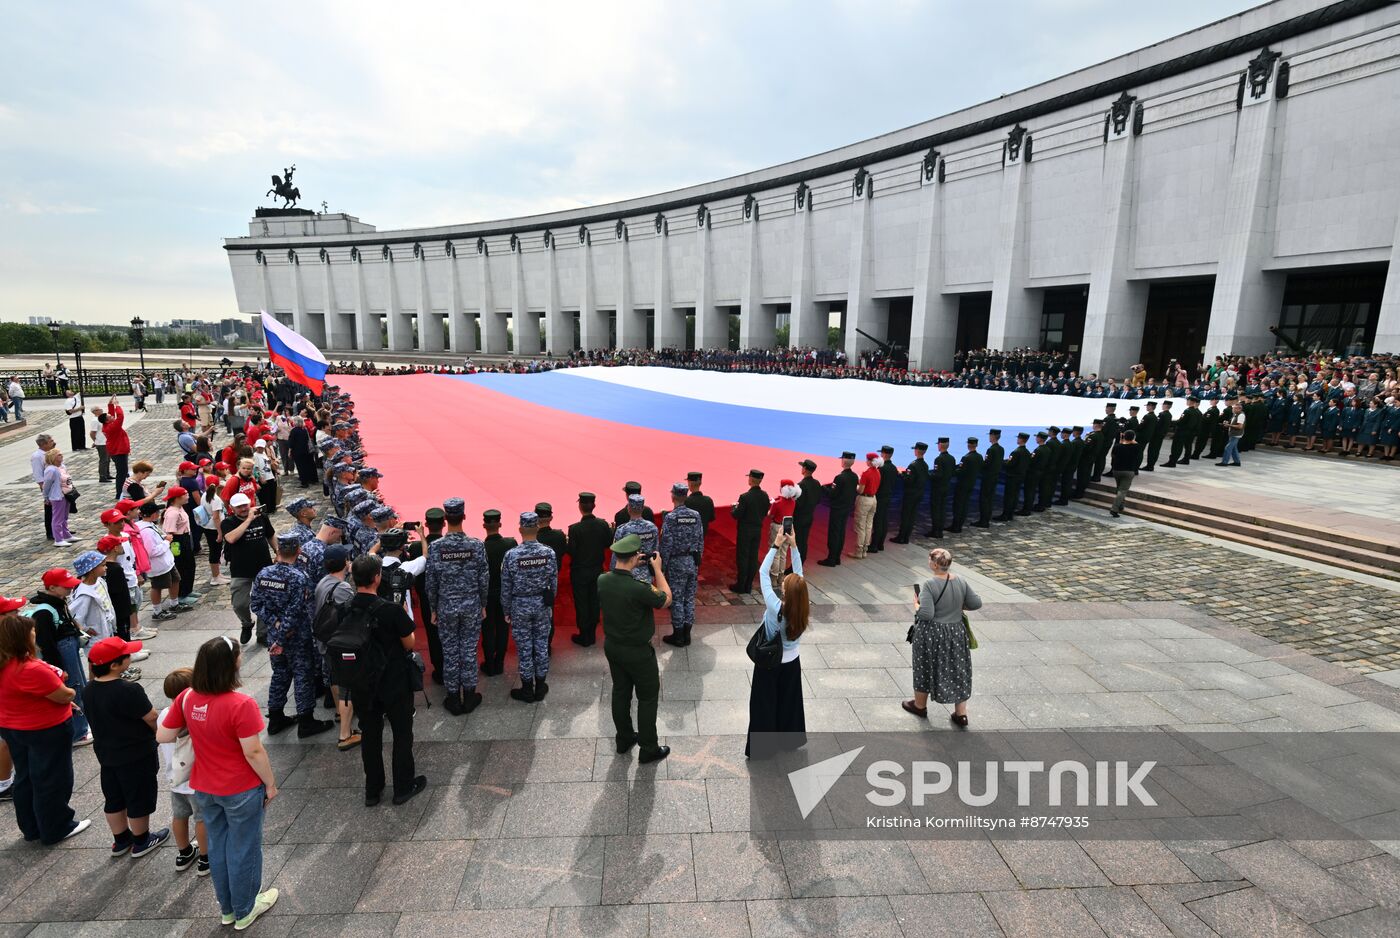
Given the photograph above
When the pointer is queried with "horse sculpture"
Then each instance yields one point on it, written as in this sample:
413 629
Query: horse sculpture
285 190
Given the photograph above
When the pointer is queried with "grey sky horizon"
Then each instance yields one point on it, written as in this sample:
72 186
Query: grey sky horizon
135 137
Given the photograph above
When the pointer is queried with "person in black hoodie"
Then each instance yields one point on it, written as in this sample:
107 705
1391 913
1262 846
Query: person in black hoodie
59 639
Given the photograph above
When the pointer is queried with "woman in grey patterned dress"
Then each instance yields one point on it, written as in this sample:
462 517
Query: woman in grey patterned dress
942 660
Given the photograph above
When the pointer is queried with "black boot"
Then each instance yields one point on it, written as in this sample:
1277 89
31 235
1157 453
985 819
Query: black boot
452 703
525 692
541 689
471 699
676 638
308 725
277 721
686 637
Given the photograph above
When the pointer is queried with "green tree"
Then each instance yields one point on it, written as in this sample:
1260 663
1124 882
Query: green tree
783 336
833 337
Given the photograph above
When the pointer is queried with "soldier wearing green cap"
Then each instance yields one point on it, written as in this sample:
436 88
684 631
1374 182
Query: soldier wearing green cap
628 606
495 636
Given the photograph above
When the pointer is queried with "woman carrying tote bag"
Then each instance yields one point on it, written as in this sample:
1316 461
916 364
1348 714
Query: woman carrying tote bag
942 648
775 699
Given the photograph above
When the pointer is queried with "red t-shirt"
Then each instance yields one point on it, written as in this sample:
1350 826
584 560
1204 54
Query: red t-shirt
235 484
870 481
25 684
781 508
216 724
114 430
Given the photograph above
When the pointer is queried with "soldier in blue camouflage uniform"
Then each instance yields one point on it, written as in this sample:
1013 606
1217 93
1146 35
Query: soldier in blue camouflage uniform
637 524
363 532
342 479
529 578
283 598
384 517
682 546
368 477
312 556
344 497
303 511
458 580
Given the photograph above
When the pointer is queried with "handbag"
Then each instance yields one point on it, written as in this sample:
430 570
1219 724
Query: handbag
909 636
765 651
967 627
182 752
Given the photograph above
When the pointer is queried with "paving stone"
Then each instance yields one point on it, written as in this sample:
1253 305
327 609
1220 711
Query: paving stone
1377 878
1044 863
338 814
463 812
498 923
1245 913
952 915
535 872
1120 911
1368 923
820 867
699 920
1042 912
654 868
1168 903
416 876
1294 882
135 928
538 760
962 865
616 921
738 865
377 925
668 807
800 918
594 808
1136 862
324 878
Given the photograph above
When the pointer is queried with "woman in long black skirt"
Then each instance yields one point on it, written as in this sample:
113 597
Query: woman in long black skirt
775 700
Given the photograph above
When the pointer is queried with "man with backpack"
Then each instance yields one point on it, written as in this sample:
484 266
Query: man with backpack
369 654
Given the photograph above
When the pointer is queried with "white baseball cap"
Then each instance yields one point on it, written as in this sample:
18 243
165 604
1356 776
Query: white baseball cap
260 444
239 499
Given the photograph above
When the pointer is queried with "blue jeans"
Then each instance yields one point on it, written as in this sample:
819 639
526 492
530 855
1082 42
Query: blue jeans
235 827
43 781
73 664
19 407
1231 456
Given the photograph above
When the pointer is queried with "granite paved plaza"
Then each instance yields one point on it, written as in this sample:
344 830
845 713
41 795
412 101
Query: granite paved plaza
533 826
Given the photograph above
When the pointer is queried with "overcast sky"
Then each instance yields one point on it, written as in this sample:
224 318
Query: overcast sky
135 136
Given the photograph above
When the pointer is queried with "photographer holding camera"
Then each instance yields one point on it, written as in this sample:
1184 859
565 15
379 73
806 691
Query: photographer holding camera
246 543
628 606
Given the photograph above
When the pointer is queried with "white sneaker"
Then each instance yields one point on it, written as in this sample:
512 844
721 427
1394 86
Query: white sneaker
62 543
78 828
140 655
85 740
144 634
264 901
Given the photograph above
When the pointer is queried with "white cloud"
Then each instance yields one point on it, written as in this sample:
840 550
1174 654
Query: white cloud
31 207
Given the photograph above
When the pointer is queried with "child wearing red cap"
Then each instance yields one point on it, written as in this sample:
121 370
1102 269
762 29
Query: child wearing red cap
161 576
176 524
124 730
209 516
58 638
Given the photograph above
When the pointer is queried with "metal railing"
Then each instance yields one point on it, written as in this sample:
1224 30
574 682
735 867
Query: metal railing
102 382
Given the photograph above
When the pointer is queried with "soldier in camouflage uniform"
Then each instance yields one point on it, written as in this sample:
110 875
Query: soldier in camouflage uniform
529 577
363 534
458 579
346 497
283 597
637 524
312 556
682 547
303 511
342 482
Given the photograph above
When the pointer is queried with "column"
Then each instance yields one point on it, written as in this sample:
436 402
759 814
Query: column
400 335
524 324
1117 309
631 325
669 322
756 326
266 284
336 336
1247 299
933 330
429 323
459 332
592 325
711 331
807 325
558 330
302 321
493 325
1015 315
367 337
1388 323
860 303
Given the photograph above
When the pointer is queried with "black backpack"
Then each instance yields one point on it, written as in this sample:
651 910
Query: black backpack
357 660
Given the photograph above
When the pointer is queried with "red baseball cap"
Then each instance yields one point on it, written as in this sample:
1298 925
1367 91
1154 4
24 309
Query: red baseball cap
220 465
60 577
112 516
110 649
110 542
186 467
211 481
8 604
175 492
126 505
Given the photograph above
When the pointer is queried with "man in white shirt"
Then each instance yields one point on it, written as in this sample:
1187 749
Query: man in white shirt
44 442
73 407
16 392
99 440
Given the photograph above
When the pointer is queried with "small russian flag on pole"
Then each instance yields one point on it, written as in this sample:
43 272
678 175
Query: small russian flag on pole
290 351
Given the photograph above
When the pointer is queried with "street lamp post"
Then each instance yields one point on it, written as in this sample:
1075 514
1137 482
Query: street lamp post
138 325
78 364
53 331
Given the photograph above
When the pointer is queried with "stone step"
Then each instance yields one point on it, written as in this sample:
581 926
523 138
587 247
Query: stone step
1205 523
1372 545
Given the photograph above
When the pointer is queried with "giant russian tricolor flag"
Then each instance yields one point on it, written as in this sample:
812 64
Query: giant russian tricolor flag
507 441
290 351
